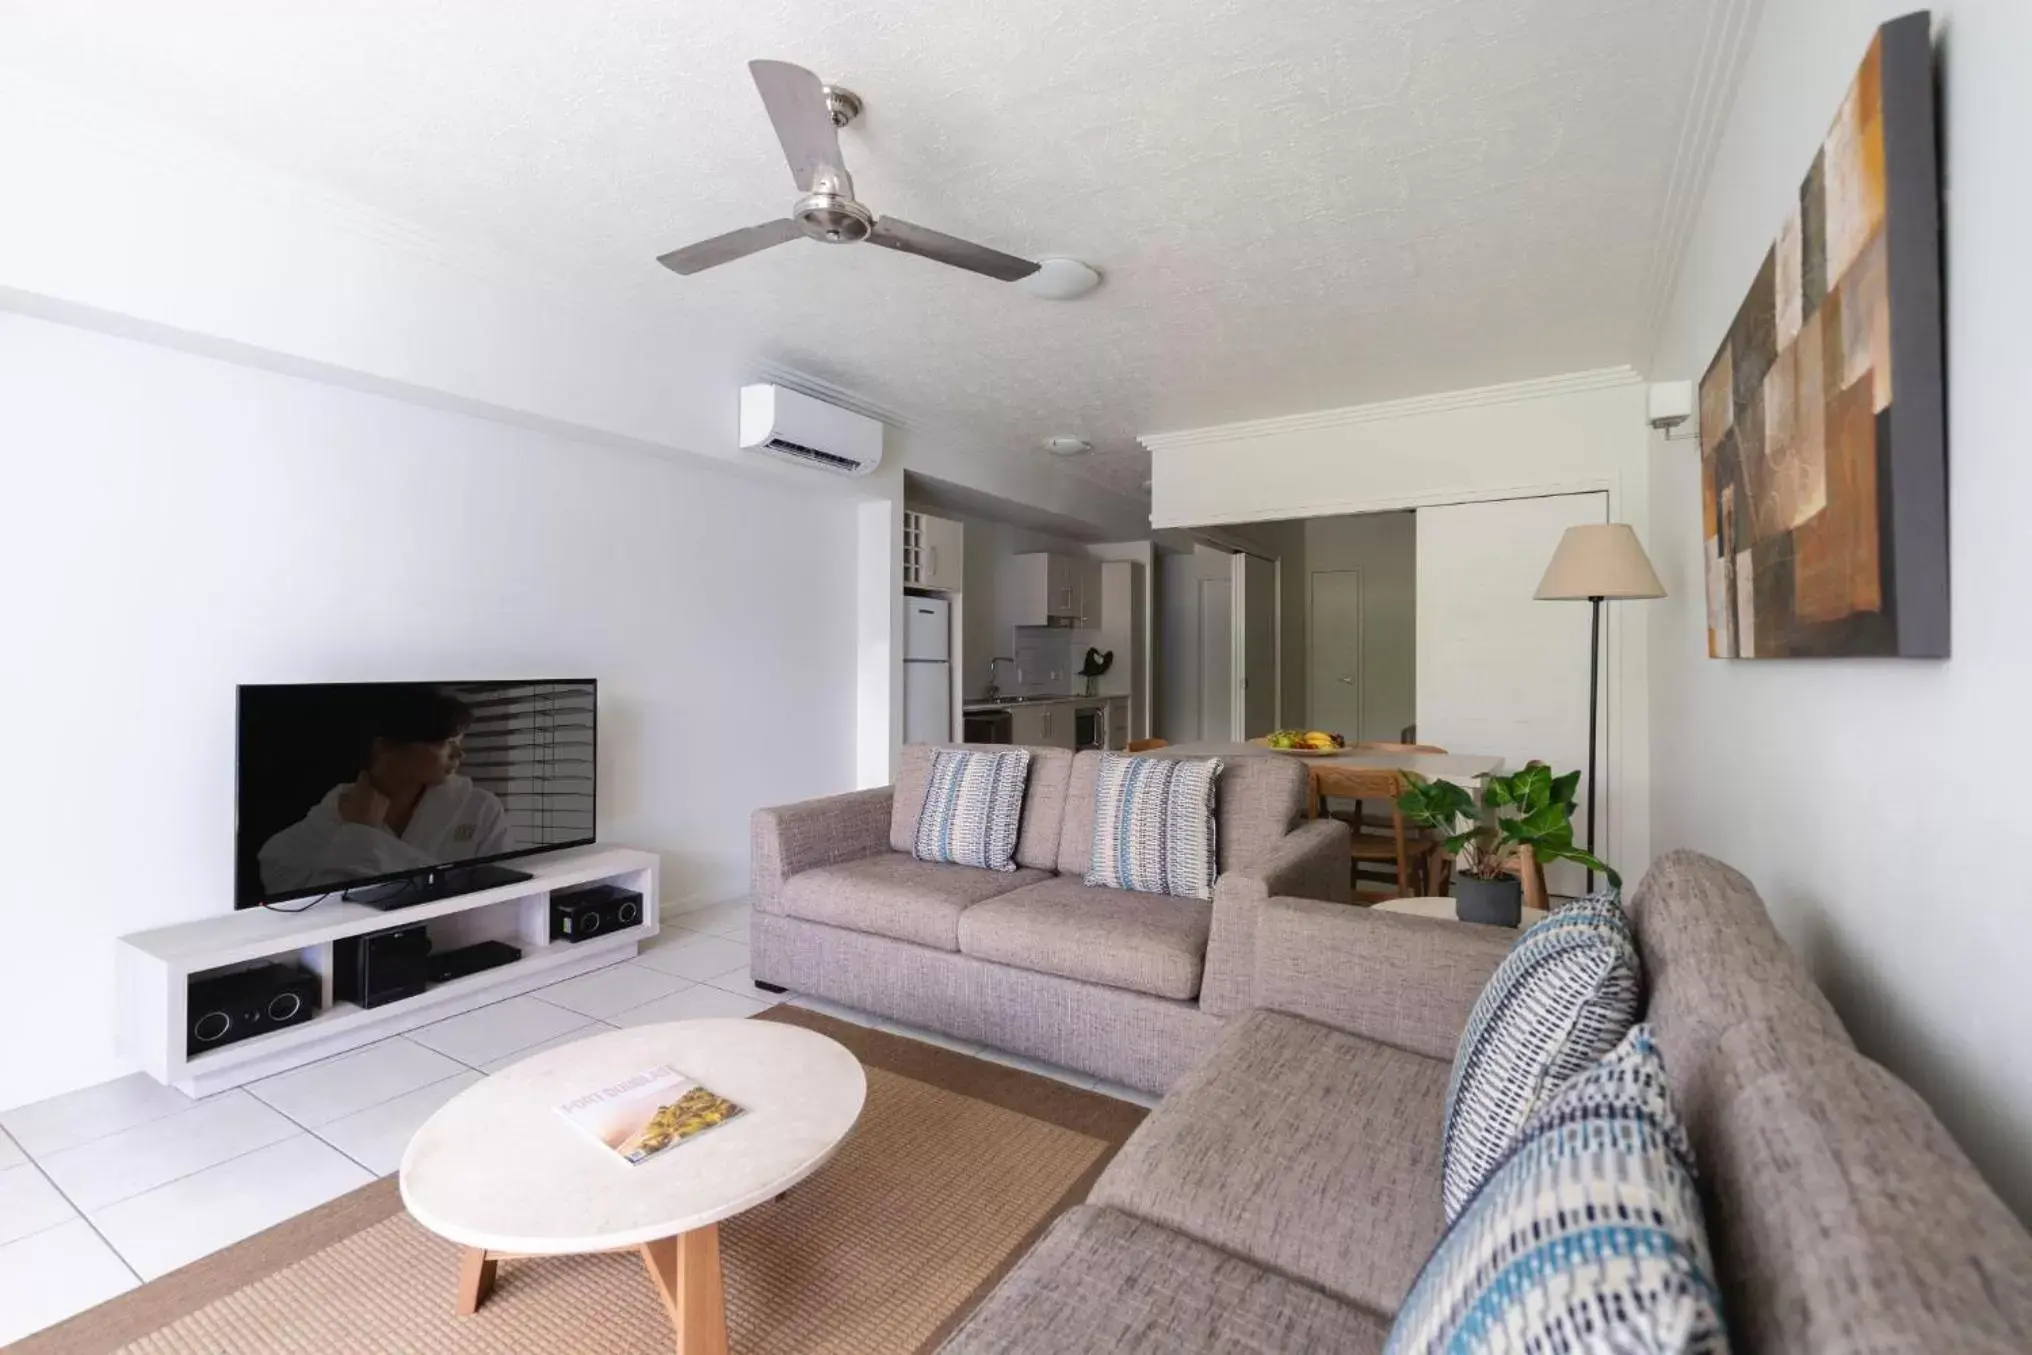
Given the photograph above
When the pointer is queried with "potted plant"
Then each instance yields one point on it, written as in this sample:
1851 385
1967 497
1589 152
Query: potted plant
1528 808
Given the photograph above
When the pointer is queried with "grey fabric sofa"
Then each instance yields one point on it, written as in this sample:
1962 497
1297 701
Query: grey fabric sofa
1286 1192
1121 985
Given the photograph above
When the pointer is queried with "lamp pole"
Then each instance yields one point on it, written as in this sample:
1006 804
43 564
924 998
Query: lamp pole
1594 682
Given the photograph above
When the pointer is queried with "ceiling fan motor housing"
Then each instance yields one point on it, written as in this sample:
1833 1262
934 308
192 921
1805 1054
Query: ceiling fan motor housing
833 219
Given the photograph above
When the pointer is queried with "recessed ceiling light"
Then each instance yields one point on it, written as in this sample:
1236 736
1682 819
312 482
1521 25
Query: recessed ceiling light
1067 446
1060 279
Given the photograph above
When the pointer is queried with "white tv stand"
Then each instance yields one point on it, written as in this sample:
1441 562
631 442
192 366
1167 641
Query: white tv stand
155 967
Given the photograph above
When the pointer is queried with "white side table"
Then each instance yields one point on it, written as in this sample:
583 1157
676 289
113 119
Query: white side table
1444 909
499 1170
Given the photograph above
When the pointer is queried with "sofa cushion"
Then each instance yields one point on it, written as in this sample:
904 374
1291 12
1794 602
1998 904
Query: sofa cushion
1712 959
1257 800
1567 992
1843 1215
973 805
1307 1149
897 895
1154 825
1043 799
1100 1280
1587 1237
1146 942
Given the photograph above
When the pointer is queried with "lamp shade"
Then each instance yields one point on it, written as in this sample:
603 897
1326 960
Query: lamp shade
1600 560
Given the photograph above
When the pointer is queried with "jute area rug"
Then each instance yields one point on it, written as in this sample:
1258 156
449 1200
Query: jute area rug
956 1166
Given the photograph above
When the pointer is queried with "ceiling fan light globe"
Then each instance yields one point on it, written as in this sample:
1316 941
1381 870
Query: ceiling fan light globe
1060 279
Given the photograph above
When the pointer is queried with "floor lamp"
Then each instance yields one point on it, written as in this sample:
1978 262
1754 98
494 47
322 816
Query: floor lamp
1596 564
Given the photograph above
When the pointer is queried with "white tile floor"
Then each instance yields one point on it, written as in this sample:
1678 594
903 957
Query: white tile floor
117 1184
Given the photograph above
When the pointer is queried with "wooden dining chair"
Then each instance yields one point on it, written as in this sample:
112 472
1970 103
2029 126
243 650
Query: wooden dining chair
1363 820
1396 849
1144 745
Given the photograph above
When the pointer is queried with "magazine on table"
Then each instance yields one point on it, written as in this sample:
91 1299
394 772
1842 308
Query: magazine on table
649 1112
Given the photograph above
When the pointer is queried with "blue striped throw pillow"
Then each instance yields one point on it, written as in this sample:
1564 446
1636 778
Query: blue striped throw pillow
1154 825
973 808
1588 1237
1563 996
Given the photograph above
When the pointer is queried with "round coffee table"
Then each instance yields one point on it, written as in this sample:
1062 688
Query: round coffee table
1444 908
501 1171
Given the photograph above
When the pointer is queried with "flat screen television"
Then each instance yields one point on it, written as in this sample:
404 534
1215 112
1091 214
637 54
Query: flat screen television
401 791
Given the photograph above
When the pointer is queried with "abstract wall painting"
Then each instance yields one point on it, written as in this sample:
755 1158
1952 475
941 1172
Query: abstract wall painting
1823 416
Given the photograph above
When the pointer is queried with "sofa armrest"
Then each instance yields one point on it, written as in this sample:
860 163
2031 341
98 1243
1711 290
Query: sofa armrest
792 838
1398 980
1311 863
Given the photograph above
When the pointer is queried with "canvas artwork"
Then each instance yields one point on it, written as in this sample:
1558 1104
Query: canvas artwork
1822 417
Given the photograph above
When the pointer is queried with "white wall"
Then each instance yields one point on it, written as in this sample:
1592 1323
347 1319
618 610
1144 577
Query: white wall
1585 431
1383 548
180 524
1873 801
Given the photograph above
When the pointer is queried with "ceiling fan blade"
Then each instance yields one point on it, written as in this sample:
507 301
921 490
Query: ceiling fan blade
796 102
894 233
729 247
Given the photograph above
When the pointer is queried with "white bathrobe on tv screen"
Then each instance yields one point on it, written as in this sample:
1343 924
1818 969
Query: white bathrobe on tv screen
454 821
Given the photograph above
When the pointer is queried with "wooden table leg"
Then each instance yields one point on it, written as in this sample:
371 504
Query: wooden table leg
686 1269
476 1279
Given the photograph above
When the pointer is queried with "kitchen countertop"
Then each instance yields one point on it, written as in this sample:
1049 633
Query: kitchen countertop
1011 703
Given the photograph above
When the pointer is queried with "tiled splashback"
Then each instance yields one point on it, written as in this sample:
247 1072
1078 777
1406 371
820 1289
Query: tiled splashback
1045 661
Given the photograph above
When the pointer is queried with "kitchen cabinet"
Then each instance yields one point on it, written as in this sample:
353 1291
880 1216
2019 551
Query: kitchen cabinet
1054 589
934 552
1087 571
1047 724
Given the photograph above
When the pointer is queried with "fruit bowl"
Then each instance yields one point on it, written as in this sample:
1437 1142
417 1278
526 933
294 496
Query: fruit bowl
1303 742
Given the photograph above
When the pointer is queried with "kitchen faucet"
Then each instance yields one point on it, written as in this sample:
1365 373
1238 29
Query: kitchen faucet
992 691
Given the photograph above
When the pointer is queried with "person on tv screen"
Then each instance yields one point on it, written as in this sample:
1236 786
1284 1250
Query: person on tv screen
408 808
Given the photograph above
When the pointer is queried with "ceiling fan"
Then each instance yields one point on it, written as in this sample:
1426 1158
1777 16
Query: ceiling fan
808 115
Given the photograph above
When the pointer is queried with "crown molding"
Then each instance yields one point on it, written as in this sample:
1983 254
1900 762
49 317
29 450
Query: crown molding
1718 70
1539 388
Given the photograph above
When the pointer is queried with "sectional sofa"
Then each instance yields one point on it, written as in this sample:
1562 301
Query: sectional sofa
1122 985
1285 1193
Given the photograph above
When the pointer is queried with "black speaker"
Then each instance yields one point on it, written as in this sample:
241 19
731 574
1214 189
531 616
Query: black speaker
578 914
381 966
248 1002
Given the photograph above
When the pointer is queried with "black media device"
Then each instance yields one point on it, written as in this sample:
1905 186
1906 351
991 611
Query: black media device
577 914
230 1007
397 793
446 965
381 966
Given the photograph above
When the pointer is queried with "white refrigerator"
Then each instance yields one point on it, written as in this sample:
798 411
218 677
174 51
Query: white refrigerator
927 670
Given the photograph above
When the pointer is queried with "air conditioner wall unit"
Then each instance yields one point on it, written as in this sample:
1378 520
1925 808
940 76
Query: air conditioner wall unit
780 422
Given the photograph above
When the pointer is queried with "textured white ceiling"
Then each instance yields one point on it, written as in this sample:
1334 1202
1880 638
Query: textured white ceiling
1298 204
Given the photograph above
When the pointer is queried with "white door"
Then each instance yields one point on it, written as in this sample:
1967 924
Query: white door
1333 652
1255 629
927 702
1497 671
927 629
1216 659
943 563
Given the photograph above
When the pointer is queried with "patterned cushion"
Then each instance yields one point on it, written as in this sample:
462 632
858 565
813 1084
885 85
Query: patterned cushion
1562 997
973 806
1154 825
1588 1237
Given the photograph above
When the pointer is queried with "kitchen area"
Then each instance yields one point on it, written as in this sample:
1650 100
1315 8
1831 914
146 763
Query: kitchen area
1013 635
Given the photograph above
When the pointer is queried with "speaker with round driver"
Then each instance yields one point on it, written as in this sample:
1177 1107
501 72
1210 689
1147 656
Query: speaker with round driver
581 914
230 1007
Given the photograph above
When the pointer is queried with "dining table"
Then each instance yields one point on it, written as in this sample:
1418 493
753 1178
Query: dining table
1459 768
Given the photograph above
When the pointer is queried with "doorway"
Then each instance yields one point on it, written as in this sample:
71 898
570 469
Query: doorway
1333 627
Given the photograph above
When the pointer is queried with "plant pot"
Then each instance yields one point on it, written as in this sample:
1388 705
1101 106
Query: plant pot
1498 903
